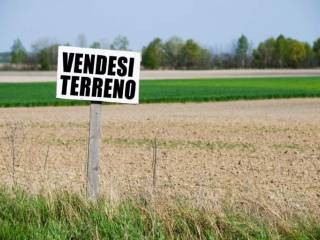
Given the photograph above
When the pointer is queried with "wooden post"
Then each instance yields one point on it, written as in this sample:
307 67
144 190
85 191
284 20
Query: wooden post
93 151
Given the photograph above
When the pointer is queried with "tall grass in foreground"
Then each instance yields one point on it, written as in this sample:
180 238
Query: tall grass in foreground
68 216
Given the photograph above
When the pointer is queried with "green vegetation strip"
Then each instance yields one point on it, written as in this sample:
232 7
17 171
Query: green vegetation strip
195 90
68 216
177 143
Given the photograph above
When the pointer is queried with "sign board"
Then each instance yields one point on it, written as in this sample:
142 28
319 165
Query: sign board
98 75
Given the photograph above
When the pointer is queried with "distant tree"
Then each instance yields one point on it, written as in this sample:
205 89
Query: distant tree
95 45
217 61
193 56
264 55
190 55
105 44
172 49
281 51
43 57
81 40
40 44
152 55
310 56
227 60
316 50
5 57
120 43
48 57
39 57
242 49
45 54
206 60
297 53
18 52
53 55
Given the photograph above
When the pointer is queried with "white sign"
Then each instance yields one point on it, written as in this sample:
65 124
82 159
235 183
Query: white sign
98 75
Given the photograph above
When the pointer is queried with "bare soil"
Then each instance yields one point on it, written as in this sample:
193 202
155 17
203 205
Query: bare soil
50 76
262 152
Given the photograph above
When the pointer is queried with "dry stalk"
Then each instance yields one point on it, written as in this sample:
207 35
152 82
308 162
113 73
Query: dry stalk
46 159
45 167
11 135
154 163
154 167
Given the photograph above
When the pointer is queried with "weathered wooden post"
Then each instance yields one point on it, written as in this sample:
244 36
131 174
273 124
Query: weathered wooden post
94 151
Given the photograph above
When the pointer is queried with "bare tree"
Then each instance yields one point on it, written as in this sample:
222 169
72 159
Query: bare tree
120 43
81 40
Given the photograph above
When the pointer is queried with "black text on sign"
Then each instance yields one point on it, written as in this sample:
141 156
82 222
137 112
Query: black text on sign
98 75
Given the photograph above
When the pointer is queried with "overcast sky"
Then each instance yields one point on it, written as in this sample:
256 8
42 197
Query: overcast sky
213 23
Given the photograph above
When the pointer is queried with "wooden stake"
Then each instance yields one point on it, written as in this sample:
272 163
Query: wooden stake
94 151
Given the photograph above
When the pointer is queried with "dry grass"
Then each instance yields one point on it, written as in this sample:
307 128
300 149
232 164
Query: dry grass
69 216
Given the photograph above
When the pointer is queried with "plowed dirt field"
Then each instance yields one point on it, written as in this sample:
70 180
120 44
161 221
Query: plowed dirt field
266 152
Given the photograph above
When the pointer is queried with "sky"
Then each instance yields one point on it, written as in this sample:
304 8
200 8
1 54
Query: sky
213 23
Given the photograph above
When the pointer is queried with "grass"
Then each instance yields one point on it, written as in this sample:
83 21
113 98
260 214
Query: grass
69 216
174 144
195 90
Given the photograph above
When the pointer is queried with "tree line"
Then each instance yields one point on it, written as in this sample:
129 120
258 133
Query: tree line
44 53
280 52
176 53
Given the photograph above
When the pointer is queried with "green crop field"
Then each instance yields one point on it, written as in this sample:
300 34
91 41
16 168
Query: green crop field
195 90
